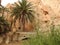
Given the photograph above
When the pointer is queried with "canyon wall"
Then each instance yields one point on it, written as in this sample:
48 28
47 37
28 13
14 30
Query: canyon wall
47 11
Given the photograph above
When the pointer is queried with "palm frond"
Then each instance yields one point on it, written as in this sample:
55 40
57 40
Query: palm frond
30 16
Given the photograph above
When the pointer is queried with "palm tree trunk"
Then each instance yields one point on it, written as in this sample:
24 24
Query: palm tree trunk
23 23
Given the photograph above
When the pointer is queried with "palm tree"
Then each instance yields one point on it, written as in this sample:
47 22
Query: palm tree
24 12
4 26
0 2
3 23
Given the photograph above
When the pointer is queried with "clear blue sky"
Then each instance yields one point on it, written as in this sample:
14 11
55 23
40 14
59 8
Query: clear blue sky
5 2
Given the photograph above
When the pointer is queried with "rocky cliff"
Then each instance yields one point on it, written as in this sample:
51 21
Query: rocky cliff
47 11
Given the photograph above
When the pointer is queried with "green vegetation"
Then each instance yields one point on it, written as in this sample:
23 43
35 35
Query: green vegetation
4 26
51 38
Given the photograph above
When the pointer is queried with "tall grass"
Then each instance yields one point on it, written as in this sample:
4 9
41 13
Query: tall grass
52 38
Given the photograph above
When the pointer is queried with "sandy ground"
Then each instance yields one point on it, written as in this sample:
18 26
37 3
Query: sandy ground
13 43
21 36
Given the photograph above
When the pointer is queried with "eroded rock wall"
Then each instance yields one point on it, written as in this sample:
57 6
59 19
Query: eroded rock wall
47 11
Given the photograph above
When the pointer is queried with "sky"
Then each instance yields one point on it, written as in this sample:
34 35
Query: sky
5 2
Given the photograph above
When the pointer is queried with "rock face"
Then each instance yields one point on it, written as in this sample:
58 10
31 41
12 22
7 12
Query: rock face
47 11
